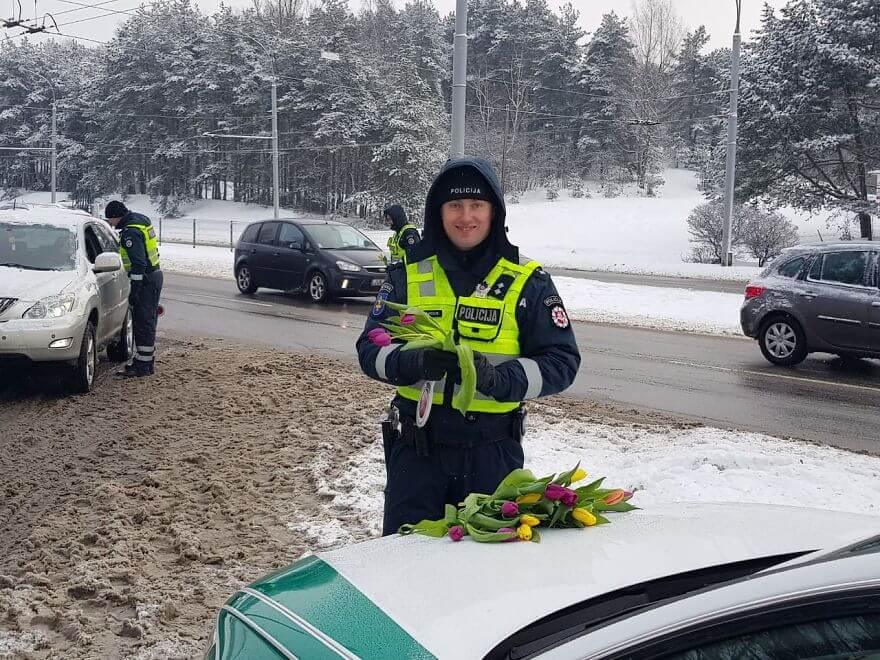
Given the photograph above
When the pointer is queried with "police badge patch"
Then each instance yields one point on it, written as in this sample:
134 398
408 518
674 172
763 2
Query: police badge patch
379 305
128 242
560 318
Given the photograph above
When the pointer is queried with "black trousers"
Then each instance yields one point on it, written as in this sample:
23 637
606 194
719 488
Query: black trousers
419 487
144 303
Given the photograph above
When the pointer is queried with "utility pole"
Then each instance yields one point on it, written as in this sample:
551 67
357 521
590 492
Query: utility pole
54 147
504 144
459 78
730 174
275 195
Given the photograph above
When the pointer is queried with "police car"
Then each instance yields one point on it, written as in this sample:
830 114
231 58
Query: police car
688 581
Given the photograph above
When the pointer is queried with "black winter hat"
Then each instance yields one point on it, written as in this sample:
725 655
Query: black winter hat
115 209
397 215
463 183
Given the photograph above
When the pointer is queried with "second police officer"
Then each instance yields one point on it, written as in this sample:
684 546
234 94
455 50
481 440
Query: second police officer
405 235
467 275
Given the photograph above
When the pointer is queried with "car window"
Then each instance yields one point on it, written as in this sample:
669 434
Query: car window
843 267
267 233
791 268
93 245
106 238
340 237
249 235
37 246
838 638
816 269
290 235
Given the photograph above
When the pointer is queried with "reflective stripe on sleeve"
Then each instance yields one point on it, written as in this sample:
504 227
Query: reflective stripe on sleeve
533 378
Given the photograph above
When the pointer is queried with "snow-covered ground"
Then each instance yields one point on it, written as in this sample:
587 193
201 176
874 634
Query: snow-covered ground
662 465
586 300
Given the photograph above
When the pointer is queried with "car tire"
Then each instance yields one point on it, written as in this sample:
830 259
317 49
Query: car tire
122 349
244 279
317 288
783 341
83 377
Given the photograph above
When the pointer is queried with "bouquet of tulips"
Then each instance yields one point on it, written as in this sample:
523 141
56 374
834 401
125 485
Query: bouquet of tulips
522 503
417 329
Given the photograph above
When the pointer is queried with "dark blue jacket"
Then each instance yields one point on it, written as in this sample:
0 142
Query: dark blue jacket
546 336
133 242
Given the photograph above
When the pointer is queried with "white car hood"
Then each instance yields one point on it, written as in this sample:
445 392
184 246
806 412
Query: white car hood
459 600
33 285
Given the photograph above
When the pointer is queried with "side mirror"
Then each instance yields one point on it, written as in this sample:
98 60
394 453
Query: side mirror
107 262
295 245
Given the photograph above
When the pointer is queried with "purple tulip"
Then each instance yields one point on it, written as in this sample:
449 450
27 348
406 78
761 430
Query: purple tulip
381 338
554 492
376 331
456 533
508 530
509 509
569 498
407 319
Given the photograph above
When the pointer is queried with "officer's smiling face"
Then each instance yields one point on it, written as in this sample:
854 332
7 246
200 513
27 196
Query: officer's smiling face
467 222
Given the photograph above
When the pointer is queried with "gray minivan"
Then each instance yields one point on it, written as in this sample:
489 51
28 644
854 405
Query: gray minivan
816 298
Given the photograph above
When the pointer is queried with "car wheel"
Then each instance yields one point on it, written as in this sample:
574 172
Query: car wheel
122 349
83 376
783 341
317 287
244 278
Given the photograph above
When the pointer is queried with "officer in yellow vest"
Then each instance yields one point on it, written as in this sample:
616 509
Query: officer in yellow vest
140 256
405 235
468 276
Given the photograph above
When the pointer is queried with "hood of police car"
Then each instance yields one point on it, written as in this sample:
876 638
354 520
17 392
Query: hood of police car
421 597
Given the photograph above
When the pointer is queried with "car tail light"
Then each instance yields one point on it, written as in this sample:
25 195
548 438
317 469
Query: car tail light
753 291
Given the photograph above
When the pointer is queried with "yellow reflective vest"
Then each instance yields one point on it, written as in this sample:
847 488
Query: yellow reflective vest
397 252
485 320
151 243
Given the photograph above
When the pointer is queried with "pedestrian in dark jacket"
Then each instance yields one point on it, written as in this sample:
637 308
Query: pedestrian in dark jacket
465 274
140 256
405 235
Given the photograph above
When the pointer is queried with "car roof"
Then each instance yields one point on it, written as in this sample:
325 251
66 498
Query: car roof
485 593
303 221
838 572
829 246
37 214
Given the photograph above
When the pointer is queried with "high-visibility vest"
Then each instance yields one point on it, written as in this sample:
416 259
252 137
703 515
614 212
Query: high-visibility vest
149 240
397 252
485 320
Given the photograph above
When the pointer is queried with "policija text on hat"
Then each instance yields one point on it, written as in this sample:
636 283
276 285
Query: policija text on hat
467 275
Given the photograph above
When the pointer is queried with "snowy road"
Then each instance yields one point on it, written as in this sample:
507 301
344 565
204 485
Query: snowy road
719 381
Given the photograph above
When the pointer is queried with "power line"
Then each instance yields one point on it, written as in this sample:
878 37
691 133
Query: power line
84 20
68 11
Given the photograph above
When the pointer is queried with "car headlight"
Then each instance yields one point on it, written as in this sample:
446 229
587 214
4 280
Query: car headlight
344 265
52 307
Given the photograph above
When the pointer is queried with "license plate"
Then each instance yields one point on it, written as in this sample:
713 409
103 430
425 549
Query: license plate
378 281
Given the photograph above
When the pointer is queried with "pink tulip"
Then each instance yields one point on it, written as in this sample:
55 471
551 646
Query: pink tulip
509 509
508 530
555 492
376 331
407 319
456 533
381 338
627 495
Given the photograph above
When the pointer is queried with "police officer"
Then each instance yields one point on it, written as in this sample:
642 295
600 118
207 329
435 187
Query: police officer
140 256
467 275
405 235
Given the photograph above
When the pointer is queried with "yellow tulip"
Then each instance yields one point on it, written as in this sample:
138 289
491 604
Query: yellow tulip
578 475
531 498
531 521
584 516
524 532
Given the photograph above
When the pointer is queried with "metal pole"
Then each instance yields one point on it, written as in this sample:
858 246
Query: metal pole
504 144
275 148
459 78
54 149
194 232
230 235
730 175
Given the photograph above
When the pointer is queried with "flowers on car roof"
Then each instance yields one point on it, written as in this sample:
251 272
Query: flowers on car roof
522 503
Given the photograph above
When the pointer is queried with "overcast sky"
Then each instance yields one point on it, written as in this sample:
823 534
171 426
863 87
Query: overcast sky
717 15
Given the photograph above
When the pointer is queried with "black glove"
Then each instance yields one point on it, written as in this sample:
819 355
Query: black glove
485 374
434 364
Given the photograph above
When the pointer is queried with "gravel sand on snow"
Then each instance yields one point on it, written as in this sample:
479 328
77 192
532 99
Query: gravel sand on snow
122 541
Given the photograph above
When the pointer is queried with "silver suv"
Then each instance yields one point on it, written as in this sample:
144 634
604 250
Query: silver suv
822 297
63 292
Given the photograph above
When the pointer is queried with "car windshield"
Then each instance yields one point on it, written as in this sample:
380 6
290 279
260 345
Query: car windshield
37 247
340 237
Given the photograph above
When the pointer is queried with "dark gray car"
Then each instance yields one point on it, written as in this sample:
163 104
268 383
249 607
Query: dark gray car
321 258
822 298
